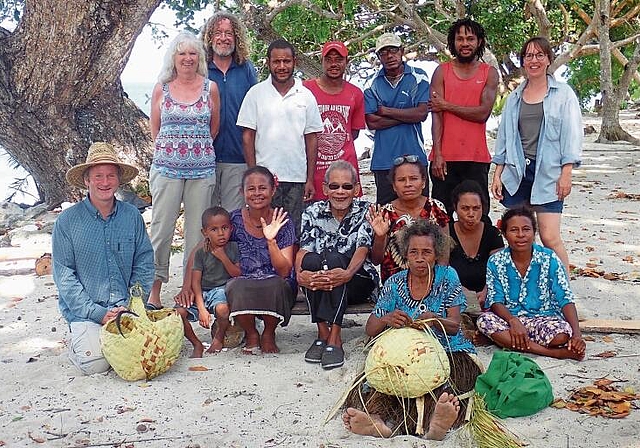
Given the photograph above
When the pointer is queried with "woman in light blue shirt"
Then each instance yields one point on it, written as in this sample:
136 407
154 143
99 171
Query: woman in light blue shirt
539 142
531 303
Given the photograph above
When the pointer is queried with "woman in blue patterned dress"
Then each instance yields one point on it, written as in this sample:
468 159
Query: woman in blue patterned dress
185 116
426 290
528 292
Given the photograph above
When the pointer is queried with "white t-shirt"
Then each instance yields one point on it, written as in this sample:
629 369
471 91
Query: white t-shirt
281 122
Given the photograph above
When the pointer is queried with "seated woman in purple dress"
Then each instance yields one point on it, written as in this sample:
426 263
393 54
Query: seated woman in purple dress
266 287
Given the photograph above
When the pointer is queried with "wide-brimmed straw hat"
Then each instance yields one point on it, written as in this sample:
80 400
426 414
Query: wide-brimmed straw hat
100 153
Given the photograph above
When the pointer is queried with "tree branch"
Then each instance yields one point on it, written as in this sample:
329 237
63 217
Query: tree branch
633 12
439 7
630 68
536 8
304 3
592 49
434 37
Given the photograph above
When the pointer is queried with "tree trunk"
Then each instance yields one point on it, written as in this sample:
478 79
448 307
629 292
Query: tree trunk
60 87
610 130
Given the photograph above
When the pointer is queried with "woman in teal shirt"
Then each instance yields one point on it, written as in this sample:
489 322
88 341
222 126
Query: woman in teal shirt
528 292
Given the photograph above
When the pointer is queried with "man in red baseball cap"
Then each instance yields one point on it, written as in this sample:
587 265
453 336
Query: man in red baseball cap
341 106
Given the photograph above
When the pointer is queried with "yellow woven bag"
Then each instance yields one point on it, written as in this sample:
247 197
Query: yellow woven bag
141 344
406 362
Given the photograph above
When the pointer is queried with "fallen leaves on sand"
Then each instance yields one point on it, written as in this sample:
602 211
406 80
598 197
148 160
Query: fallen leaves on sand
121 409
199 369
603 399
619 194
607 339
589 338
590 271
146 420
36 438
607 354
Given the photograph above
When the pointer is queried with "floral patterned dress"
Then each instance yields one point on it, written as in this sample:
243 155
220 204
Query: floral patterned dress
393 261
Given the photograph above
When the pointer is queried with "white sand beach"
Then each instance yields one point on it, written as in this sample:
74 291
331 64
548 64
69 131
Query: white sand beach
281 401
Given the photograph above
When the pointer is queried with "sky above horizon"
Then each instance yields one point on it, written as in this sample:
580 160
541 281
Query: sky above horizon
146 57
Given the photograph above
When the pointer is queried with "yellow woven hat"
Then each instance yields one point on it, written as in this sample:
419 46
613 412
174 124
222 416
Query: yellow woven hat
100 153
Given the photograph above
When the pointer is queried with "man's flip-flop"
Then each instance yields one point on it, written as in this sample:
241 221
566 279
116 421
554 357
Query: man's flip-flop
153 307
251 351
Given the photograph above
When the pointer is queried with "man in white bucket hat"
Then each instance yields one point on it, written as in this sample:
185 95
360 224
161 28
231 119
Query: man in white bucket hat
100 249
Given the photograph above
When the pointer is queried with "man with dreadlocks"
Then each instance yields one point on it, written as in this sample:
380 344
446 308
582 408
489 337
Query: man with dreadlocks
463 91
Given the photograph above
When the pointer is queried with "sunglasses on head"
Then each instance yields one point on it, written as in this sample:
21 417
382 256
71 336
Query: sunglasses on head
410 158
347 187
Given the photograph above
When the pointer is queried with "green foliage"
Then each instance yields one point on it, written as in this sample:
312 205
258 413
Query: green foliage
185 10
498 106
584 77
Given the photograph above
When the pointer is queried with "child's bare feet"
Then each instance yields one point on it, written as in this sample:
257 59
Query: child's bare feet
268 343
444 415
197 350
359 422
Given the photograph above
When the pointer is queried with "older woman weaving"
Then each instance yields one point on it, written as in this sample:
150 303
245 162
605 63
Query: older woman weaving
426 290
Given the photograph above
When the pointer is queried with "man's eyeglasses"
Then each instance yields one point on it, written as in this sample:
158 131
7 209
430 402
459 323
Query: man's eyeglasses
406 158
539 56
389 50
346 187
219 34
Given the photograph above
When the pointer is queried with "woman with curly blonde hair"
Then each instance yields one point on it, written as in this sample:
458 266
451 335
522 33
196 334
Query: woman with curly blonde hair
227 45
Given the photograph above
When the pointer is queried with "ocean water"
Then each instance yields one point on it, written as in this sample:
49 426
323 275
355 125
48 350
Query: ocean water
140 93
11 176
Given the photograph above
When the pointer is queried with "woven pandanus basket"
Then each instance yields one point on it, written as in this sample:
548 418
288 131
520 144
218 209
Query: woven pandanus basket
142 344
406 362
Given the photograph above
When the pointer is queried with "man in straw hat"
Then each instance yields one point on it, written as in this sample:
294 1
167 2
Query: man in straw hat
100 250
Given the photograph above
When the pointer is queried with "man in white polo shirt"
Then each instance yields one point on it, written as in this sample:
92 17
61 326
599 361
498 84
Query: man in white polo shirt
281 120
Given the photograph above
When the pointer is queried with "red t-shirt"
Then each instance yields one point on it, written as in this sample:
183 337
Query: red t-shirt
463 140
341 113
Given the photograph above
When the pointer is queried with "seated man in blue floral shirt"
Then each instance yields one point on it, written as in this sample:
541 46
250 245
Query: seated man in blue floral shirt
100 250
333 265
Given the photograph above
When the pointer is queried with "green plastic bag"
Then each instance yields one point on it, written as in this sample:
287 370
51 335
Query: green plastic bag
514 386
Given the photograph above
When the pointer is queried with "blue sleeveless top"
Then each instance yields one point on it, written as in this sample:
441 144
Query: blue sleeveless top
184 147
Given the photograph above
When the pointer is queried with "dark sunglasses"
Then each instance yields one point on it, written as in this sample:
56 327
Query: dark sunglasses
347 187
406 158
